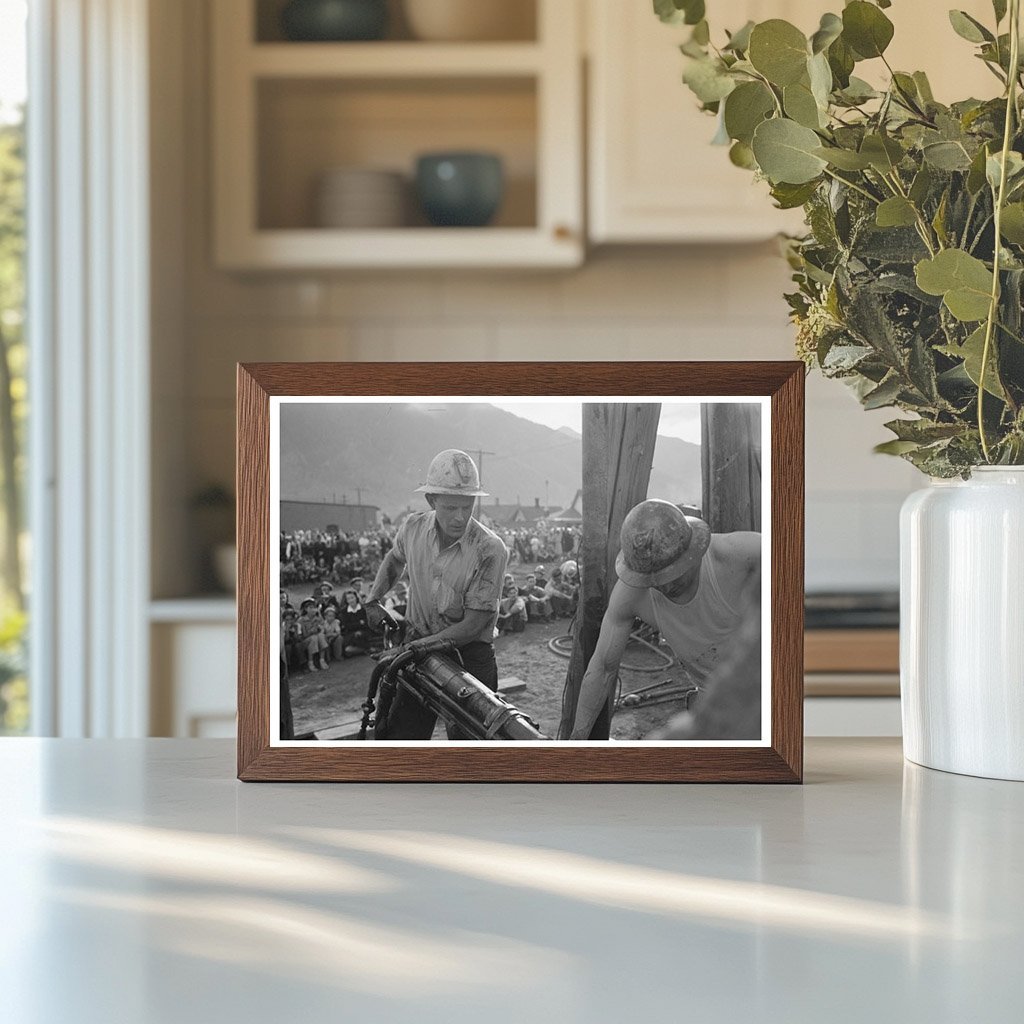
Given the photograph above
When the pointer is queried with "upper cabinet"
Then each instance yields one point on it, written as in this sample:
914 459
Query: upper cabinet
318 144
654 175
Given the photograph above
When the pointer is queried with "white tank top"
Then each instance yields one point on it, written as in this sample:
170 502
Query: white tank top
695 630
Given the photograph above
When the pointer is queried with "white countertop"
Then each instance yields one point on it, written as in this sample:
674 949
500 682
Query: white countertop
143 884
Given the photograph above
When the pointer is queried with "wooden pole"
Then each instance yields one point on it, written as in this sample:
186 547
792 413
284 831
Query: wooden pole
618 450
731 466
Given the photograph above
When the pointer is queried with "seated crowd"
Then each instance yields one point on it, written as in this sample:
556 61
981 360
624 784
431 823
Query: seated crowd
324 628
540 599
326 554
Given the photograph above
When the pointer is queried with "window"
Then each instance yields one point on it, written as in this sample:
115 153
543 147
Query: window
14 705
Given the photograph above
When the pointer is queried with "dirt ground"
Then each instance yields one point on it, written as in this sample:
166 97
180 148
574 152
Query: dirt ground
331 699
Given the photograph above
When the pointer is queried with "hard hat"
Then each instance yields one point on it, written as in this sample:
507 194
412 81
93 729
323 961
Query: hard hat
453 472
570 568
658 544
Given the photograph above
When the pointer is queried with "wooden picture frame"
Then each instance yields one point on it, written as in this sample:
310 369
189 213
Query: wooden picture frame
779 755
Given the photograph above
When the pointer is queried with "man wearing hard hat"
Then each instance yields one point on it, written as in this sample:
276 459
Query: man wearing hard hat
455 567
694 588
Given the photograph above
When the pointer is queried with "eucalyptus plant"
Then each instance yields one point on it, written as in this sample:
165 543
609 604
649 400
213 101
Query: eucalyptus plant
910 278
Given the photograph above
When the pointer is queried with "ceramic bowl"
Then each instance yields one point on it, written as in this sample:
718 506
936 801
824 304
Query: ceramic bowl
471 20
460 189
334 20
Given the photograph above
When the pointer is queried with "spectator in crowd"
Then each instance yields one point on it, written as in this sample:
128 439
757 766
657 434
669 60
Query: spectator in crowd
538 607
291 635
314 646
324 597
396 604
561 594
511 609
355 628
332 632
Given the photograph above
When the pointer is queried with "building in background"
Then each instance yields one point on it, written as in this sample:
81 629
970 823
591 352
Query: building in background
329 516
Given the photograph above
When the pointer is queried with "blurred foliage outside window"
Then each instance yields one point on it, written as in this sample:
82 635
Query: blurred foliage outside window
14 704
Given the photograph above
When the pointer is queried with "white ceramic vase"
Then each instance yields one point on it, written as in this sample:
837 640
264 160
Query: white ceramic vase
962 624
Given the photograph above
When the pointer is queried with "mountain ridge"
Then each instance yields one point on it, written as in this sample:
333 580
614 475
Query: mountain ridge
380 452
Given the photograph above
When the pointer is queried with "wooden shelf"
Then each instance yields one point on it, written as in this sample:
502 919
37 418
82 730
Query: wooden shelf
852 650
393 60
401 247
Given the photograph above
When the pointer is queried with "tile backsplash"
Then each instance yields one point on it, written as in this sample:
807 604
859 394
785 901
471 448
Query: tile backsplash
717 302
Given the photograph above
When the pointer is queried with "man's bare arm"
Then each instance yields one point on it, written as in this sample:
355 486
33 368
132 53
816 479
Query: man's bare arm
599 679
387 575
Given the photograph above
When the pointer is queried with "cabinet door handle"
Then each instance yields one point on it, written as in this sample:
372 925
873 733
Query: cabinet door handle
563 233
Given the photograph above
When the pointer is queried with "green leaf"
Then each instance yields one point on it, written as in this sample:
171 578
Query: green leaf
820 76
742 155
969 28
999 7
1014 169
924 88
707 80
739 41
778 50
785 152
676 12
895 447
883 153
721 137
844 159
885 394
745 108
971 352
701 33
946 156
939 220
800 105
858 91
896 212
963 281
921 186
976 174
1012 223
866 29
829 30
923 431
789 197
841 60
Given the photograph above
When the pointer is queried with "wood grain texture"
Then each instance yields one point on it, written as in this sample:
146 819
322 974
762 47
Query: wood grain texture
782 762
618 453
787 498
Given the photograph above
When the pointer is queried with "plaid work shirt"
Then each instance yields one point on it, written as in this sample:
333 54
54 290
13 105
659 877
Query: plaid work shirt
446 582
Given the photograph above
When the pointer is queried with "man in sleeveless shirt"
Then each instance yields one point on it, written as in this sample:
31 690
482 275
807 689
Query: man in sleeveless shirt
689 585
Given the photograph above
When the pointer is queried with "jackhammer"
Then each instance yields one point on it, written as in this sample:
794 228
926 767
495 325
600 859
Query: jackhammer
431 675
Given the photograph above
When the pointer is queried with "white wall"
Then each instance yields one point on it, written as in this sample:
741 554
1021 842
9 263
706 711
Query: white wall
721 302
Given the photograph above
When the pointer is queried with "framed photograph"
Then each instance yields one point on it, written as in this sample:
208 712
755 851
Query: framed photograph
517 572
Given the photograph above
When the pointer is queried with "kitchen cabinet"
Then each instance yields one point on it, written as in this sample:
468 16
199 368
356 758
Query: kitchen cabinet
286 113
653 175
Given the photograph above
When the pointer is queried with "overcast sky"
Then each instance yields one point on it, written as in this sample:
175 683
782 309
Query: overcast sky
678 419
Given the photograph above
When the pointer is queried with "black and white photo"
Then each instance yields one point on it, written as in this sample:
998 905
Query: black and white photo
466 570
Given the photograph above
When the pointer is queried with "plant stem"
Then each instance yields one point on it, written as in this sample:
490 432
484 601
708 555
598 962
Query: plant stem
922 225
850 184
993 309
